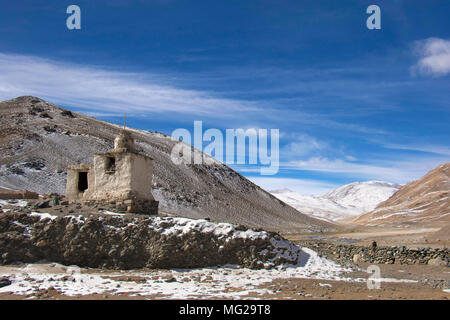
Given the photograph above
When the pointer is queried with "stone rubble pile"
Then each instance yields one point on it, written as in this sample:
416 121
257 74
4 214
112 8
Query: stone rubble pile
136 241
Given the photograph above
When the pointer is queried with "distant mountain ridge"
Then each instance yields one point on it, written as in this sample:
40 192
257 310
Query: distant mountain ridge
346 201
362 195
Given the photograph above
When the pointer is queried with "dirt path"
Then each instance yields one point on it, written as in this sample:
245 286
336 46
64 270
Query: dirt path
414 237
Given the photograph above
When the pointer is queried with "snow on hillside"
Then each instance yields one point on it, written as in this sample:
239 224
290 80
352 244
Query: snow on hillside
349 200
363 196
40 140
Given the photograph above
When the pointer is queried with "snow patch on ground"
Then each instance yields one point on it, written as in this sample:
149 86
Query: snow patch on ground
229 282
326 285
223 282
42 215
17 203
111 213
181 226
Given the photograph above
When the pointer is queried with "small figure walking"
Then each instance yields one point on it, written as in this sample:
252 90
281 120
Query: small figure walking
374 245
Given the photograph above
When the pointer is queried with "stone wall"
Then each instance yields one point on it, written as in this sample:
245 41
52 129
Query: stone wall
19 194
130 242
347 254
148 207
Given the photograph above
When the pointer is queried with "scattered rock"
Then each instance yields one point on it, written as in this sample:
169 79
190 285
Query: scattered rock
45 115
35 109
36 164
50 128
42 204
4 282
16 170
67 113
356 258
437 262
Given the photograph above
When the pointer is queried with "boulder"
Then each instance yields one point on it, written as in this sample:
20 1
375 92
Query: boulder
437 262
4 282
42 204
356 258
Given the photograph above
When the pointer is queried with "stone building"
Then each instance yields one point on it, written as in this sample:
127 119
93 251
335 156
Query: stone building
119 179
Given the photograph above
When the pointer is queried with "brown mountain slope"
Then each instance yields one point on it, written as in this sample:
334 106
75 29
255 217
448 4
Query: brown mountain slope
421 203
38 140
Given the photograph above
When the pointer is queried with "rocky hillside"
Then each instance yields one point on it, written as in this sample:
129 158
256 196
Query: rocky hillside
424 202
38 140
347 201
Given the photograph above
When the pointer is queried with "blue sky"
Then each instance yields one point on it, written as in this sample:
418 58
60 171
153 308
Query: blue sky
351 104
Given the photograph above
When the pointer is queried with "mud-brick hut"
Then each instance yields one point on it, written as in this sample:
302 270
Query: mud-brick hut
119 179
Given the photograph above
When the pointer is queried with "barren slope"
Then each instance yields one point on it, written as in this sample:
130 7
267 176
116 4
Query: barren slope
38 140
421 203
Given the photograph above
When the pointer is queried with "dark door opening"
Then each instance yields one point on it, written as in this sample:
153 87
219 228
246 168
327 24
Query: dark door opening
110 165
82 181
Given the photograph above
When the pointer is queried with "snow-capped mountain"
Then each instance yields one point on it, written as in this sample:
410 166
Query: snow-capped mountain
363 196
347 201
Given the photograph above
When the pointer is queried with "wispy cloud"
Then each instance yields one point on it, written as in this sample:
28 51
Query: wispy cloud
434 56
99 90
386 170
302 186
436 149
302 146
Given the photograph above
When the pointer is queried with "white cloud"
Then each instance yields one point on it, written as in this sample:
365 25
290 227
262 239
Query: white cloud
99 90
104 91
390 171
434 56
303 145
302 186
383 170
